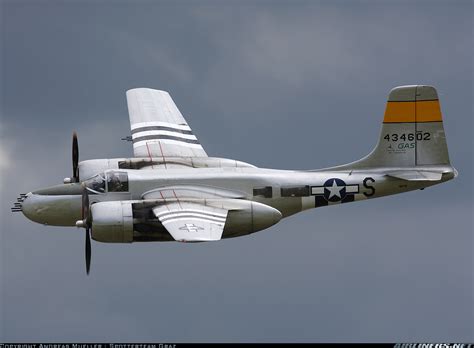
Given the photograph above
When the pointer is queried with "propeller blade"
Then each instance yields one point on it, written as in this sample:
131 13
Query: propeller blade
87 223
75 158
88 251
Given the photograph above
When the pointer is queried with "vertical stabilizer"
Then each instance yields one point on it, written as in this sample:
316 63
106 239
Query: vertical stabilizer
412 131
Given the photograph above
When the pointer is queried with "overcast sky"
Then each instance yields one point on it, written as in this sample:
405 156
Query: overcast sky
282 84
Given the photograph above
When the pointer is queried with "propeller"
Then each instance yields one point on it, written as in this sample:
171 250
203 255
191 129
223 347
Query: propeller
87 224
88 251
75 158
86 219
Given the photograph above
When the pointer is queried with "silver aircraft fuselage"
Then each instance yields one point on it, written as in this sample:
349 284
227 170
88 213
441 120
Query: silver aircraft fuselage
288 191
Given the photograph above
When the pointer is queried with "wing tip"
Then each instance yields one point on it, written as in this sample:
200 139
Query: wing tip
145 89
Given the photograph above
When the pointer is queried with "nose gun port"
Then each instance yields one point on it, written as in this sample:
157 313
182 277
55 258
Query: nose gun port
18 205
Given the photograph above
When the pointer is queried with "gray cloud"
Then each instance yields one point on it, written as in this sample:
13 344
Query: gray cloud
275 84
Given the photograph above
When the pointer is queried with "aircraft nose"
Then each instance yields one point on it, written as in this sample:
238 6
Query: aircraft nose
58 210
31 206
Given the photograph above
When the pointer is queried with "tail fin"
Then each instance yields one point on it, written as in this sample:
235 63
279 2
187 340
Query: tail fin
412 131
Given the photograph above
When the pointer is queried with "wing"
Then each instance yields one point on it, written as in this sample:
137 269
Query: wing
192 222
158 128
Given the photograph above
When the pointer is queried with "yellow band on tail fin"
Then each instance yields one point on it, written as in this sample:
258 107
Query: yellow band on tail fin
410 104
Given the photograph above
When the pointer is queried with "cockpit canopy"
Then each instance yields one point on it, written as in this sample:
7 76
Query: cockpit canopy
116 182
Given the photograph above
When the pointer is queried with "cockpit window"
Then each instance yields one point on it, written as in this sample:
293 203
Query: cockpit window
96 183
117 182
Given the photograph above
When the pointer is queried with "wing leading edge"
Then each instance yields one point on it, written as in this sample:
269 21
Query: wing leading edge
158 127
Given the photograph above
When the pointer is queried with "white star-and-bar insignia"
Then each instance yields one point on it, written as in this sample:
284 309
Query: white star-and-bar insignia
191 228
334 189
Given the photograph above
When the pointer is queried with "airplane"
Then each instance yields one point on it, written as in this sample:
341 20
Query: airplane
171 190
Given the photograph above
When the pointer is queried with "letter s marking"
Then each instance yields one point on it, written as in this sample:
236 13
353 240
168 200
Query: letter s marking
367 184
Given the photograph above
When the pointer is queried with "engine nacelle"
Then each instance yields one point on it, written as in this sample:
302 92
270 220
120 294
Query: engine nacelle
112 222
247 217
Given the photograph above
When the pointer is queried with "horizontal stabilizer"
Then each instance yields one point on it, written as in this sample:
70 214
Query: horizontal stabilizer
415 175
